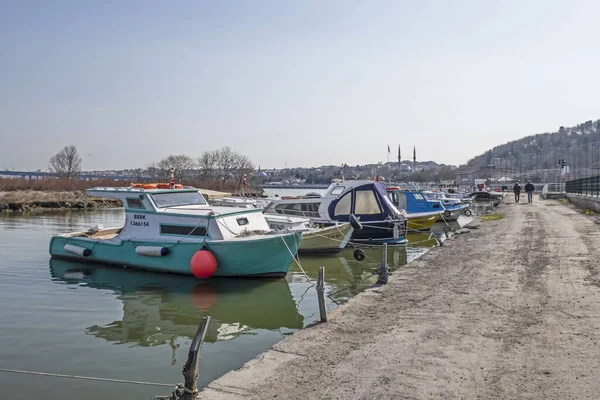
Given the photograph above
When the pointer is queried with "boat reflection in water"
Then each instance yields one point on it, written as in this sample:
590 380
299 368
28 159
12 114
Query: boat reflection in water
159 308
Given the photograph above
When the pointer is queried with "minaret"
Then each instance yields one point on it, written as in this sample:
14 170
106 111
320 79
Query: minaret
414 159
399 156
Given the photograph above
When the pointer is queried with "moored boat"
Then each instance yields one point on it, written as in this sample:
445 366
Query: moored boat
315 239
421 214
364 200
173 230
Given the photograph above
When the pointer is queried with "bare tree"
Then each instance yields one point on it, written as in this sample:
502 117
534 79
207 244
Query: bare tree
181 163
226 161
243 167
66 163
207 163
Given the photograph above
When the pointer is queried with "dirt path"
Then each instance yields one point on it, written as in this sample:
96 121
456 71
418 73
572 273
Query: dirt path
508 311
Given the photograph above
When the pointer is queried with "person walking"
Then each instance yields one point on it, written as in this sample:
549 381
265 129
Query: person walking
517 190
529 188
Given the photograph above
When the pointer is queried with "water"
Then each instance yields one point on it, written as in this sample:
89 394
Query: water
70 318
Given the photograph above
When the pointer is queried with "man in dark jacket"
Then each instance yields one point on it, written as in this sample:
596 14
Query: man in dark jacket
517 190
529 188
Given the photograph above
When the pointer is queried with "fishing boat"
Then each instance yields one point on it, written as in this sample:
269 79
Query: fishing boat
421 213
454 208
173 230
344 201
315 239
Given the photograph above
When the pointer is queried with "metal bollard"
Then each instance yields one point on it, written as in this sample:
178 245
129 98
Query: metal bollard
383 270
321 294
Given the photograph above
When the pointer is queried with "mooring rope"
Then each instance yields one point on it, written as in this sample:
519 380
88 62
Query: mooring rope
89 378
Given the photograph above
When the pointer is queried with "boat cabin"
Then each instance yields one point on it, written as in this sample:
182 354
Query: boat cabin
365 199
413 202
173 214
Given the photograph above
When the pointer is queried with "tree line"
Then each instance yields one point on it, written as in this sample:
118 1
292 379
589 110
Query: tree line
219 169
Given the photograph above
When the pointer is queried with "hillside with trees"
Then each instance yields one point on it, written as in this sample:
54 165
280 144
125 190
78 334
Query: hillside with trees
545 147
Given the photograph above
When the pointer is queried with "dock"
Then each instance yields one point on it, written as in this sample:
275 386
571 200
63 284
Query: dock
509 310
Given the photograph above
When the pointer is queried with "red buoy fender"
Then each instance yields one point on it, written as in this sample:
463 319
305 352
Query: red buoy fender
203 264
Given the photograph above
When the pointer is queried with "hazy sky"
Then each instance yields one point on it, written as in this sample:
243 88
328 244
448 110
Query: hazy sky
302 82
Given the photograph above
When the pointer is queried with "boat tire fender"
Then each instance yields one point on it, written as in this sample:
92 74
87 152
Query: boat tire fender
152 251
77 250
359 255
355 223
447 213
468 213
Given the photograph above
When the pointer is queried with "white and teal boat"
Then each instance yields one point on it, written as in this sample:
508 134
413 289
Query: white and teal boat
165 228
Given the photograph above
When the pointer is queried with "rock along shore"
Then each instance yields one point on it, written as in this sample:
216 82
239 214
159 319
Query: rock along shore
24 201
508 311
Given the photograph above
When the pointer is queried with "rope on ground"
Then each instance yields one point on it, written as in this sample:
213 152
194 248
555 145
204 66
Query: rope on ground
89 378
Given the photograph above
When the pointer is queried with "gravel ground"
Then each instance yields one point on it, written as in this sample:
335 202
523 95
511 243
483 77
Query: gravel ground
508 311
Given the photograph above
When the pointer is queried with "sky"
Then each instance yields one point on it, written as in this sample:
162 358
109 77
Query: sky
296 83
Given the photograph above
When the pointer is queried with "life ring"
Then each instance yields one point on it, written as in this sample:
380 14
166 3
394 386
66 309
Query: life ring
168 186
144 186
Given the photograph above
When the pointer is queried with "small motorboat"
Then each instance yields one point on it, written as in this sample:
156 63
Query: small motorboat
421 213
315 239
344 201
174 230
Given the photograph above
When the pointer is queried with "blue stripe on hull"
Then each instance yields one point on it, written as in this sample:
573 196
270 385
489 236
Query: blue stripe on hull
262 257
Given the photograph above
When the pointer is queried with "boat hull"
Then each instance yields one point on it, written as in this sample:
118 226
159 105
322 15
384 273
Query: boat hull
452 214
269 256
379 232
326 240
422 223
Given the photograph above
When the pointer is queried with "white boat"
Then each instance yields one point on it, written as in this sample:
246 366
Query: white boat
315 238
174 230
364 200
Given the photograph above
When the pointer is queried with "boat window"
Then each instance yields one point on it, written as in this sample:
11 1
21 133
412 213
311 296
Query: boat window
173 199
399 200
418 196
184 230
300 209
242 221
366 203
135 203
338 190
343 205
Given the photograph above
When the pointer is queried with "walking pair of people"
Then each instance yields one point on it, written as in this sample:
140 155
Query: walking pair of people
529 188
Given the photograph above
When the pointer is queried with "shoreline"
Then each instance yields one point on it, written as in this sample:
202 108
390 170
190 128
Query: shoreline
487 315
31 200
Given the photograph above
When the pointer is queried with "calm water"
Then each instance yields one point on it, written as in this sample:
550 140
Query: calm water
70 318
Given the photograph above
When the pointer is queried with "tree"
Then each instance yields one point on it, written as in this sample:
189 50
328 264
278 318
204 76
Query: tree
180 163
207 163
66 163
227 163
243 166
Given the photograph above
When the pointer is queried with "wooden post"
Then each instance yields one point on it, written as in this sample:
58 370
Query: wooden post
321 294
190 369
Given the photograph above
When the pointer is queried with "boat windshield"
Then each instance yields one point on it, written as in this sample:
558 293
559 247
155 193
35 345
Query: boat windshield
174 199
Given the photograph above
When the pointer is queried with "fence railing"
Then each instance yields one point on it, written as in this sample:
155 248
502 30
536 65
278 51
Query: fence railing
589 186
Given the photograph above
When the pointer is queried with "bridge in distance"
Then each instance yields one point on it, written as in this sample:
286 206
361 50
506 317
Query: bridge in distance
82 176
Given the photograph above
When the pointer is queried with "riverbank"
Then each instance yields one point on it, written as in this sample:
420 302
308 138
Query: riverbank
33 200
506 311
